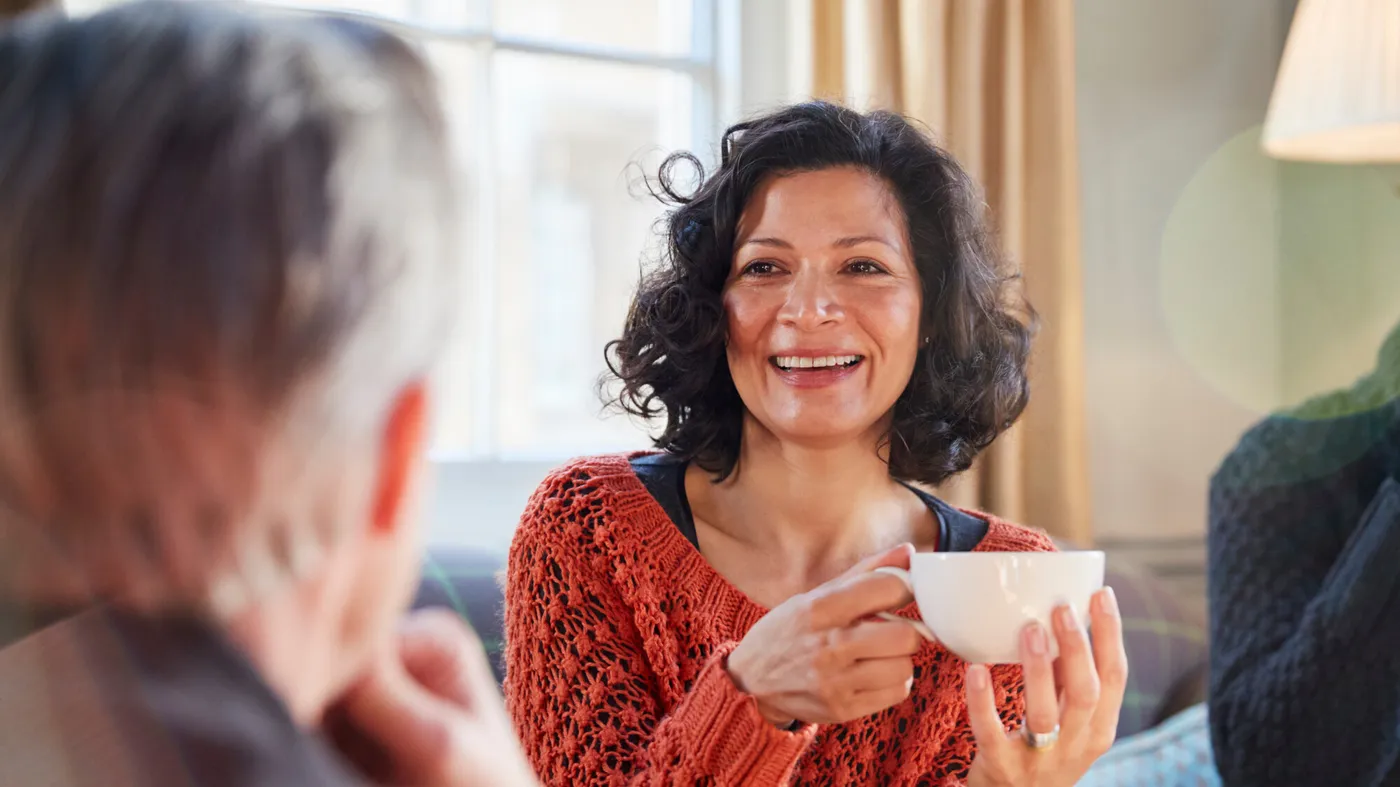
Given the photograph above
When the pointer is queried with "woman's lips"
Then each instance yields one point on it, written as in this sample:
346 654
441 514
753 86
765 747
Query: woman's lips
815 377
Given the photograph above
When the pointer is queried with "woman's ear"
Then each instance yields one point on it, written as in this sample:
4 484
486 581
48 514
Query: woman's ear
400 450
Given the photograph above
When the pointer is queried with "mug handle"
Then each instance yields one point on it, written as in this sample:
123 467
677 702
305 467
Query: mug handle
919 626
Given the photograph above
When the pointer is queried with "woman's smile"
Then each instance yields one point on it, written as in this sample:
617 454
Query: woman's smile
815 369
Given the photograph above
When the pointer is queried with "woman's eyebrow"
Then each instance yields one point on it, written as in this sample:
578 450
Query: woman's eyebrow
840 243
774 242
856 240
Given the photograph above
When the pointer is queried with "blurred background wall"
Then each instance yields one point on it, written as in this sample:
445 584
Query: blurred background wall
1162 88
1219 284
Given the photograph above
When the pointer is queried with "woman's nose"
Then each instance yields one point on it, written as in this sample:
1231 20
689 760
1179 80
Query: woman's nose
811 302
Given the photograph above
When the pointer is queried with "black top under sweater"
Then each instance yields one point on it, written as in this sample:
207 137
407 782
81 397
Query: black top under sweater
664 477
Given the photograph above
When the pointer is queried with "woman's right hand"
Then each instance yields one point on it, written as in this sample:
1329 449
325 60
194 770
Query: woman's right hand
819 658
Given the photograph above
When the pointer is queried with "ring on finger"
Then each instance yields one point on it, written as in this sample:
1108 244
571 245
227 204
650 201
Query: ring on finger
1040 741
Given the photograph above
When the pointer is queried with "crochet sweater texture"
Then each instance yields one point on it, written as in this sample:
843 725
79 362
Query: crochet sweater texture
617 632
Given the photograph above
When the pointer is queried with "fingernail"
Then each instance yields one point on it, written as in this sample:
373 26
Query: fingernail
977 677
1110 601
1035 639
1064 618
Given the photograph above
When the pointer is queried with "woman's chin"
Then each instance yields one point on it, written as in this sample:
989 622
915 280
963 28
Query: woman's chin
825 432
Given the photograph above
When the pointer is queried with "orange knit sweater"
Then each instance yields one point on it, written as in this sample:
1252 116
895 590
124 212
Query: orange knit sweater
617 631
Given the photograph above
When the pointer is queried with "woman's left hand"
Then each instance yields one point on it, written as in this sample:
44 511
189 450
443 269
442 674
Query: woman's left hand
1072 703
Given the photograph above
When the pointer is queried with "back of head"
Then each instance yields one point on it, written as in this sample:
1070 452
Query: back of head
224 249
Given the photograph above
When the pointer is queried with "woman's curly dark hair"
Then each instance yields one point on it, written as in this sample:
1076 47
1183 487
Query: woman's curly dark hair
969 382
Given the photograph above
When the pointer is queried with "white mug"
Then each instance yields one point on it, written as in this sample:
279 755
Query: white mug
977 603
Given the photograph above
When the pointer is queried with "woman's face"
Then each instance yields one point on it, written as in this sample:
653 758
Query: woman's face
823 304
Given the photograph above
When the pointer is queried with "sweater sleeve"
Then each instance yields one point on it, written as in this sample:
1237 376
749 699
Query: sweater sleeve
579 687
1305 609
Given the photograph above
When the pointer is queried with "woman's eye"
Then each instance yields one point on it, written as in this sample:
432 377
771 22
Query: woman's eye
865 266
760 268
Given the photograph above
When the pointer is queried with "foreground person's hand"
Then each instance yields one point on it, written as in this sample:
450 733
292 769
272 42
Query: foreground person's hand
1072 703
429 714
817 657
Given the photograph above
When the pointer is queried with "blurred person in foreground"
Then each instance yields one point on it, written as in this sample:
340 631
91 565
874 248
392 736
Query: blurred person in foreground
1305 592
225 258
830 325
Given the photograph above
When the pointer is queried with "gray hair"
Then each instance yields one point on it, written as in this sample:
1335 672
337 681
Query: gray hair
225 249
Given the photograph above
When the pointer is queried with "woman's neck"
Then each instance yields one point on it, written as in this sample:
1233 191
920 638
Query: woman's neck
814 505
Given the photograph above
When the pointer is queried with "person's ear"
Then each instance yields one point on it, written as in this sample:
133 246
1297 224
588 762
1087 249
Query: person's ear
400 450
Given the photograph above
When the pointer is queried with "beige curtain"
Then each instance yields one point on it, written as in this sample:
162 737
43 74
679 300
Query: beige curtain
994 81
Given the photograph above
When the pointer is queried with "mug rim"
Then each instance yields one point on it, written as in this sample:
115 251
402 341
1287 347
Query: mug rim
1088 554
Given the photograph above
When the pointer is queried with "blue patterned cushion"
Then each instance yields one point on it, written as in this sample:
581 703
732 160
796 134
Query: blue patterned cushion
1176 753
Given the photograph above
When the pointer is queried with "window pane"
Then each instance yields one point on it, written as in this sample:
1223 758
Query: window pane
661 27
85 7
570 235
461 71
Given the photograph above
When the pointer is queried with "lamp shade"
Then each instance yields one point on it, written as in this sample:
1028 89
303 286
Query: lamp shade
1337 97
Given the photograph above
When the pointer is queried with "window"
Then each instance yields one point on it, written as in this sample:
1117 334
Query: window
558 109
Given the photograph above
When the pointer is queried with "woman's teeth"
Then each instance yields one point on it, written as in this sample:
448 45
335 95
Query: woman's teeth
790 362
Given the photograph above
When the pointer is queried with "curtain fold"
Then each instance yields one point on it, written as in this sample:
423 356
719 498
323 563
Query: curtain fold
994 81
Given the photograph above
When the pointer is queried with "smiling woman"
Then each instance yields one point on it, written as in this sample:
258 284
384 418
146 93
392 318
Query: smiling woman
894 218
830 325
